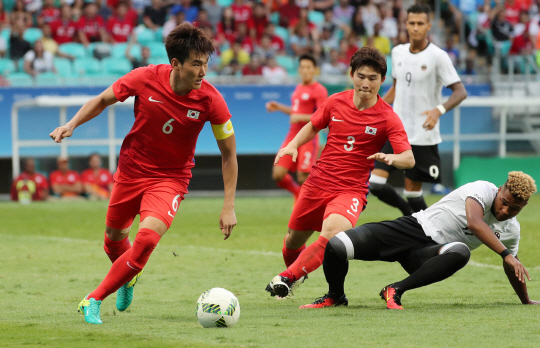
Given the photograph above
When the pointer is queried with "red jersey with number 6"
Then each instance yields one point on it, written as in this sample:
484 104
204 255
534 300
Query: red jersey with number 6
162 142
306 100
353 136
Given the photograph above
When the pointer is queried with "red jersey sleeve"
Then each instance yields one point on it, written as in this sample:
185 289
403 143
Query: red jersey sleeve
220 112
132 83
321 117
43 183
396 133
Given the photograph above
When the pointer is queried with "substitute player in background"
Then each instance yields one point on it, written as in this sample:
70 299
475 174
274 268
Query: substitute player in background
97 181
435 243
29 185
334 195
172 105
306 98
420 70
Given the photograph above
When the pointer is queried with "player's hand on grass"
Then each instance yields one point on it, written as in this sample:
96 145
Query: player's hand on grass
60 133
272 106
287 150
227 220
382 157
432 118
518 268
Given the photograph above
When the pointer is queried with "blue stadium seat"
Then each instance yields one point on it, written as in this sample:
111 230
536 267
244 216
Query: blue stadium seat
63 67
274 18
116 66
49 79
159 34
388 67
6 33
72 48
225 3
20 80
287 63
32 35
316 17
87 66
119 51
159 60
157 49
283 34
6 66
145 36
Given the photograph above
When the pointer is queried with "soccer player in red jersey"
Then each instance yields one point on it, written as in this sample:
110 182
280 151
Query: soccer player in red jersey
30 185
173 102
306 98
97 181
65 182
334 195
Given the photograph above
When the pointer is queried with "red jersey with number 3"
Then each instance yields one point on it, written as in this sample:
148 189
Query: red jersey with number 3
162 142
306 100
353 136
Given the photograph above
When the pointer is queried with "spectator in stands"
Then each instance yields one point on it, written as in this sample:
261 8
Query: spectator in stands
254 67
328 41
137 62
202 20
33 6
303 20
453 52
273 73
140 5
523 24
244 38
370 16
191 12
323 5
389 24
235 52
3 48
65 183
264 48
522 44
329 23
18 13
501 29
38 61
50 45
258 21
300 40
380 42
317 51
4 17
233 69
49 13
469 67
226 28
514 8
17 45
97 181
343 13
288 12
77 9
29 185
276 42
241 11
333 66
214 11
403 37
357 26
64 29
119 26
91 26
154 16
347 48
178 18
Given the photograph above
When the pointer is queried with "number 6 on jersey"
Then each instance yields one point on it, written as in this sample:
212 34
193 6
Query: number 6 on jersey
167 127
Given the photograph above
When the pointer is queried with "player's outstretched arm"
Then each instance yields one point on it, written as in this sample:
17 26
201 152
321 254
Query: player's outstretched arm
404 160
227 219
459 93
519 287
273 105
88 111
306 134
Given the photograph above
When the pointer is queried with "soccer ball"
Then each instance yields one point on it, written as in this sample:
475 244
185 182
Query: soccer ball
218 307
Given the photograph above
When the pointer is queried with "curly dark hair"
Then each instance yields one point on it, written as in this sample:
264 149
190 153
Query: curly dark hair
185 39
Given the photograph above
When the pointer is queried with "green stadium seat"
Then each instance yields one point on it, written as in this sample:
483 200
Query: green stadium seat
287 63
145 36
6 33
49 79
32 35
20 80
6 66
159 34
118 66
274 18
225 3
119 51
87 66
388 67
157 49
74 49
159 60
316 17
283 34
63 67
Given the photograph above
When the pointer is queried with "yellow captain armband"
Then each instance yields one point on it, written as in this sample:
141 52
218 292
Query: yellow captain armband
223 131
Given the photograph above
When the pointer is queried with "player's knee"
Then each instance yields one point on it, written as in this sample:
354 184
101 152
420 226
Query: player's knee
278 175
457 248
341 247
301 177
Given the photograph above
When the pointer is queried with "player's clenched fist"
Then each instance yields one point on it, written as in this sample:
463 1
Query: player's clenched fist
382 157
60 133
271 106
287 150
227 220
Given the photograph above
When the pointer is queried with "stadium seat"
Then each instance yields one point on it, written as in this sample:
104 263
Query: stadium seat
287 63
225 3
63 67
72 48
274 18
90 49
388 67
6 66
20 80
283 34
159 60
119 51
87 66
157 49
159 34
118 66
32 35
6 33
316 17
49 79
145 36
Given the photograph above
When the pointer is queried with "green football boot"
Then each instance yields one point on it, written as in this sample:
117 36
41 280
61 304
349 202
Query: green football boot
124 296
90 308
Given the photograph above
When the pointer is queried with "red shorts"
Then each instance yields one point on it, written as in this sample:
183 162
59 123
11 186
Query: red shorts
315 205
147 197
307 155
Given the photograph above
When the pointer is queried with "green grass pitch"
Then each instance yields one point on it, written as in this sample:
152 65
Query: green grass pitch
51 255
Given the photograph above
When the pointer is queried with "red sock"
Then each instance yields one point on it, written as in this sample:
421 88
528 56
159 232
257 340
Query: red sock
114 248
308 261
290 255
289 184
128 265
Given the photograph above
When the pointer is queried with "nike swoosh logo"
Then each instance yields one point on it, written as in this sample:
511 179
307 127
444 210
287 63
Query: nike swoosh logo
155 101
334 119
131 267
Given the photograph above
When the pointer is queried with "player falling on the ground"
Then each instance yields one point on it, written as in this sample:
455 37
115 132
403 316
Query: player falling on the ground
172 104
334 195
435 243
420 70
306 98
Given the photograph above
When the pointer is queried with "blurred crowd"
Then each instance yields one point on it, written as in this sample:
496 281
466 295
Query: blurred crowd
252 37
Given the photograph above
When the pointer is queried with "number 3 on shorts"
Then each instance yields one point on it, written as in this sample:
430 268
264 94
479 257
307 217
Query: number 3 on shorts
354 206
174 205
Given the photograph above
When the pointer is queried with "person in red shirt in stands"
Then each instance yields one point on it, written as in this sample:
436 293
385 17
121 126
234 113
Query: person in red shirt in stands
226 28
241 11
97 181
65 183
253 67
276 42
119 26
29 185
258 21
49 13
91 27
64 29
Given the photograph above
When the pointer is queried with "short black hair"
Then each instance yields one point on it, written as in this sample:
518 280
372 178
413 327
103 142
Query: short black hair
185 39
369 56
307 56
420 8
